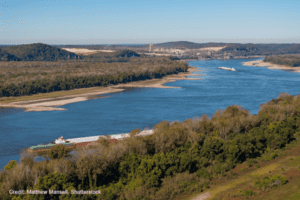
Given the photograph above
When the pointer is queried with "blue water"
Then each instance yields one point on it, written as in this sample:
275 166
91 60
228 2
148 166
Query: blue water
139 108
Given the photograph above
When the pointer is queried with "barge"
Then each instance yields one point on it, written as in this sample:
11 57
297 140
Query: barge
227 68
84 141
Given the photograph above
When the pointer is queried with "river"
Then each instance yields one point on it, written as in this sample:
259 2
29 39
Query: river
144 107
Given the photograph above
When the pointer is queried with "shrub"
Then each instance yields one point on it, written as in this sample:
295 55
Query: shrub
273 156
250 162
271 181
248 193
10 164
242 169
57 151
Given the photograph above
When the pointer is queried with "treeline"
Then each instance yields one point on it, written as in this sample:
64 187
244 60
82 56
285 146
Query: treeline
35 52
261 49
178 157
117 56
289 60
25 78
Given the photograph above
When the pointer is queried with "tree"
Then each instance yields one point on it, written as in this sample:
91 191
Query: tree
57 151
10 164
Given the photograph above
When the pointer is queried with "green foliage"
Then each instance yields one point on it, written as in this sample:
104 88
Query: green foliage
250 162
248 193
202 172
269 182
10 164
57 152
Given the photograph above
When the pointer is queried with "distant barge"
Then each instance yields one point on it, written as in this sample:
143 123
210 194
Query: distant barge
227 68
84 141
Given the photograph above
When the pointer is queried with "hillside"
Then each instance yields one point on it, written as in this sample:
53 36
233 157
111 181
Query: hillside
37 52
4 56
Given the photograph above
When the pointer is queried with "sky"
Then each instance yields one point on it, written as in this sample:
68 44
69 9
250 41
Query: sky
151 21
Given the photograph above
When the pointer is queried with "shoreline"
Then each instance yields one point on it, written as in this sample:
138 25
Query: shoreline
261 63
41 103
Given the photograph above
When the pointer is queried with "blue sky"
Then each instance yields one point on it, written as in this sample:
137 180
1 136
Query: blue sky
141 22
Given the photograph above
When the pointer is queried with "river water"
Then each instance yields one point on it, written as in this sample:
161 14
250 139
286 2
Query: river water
144 107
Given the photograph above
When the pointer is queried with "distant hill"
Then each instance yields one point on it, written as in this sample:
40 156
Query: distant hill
4 56
261 49
39 52
126 54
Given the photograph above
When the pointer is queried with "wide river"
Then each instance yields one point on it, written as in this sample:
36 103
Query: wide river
144 107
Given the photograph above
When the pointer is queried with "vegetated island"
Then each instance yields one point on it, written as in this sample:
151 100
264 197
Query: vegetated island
282 62
230 155
39 77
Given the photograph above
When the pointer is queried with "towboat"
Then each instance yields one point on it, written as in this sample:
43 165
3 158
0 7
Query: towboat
227 68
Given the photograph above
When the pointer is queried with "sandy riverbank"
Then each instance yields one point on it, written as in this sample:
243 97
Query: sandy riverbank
261 63
51 104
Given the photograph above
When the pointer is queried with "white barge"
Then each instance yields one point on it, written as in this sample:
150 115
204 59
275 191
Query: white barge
227 68
83 141
121 136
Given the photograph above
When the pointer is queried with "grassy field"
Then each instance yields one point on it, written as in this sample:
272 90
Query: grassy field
242 178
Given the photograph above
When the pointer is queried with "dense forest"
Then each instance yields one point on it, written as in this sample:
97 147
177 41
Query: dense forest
178 157
25 78
35 52
289 60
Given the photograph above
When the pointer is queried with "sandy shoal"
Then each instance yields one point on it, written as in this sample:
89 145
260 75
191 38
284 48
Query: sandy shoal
261 63
51 104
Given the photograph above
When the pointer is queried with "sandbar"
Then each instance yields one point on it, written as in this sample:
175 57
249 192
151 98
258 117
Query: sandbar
261 63
84 94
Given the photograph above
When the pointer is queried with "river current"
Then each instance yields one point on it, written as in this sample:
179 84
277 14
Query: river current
144 107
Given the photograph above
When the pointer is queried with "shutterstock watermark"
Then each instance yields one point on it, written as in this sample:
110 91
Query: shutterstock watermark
54 192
